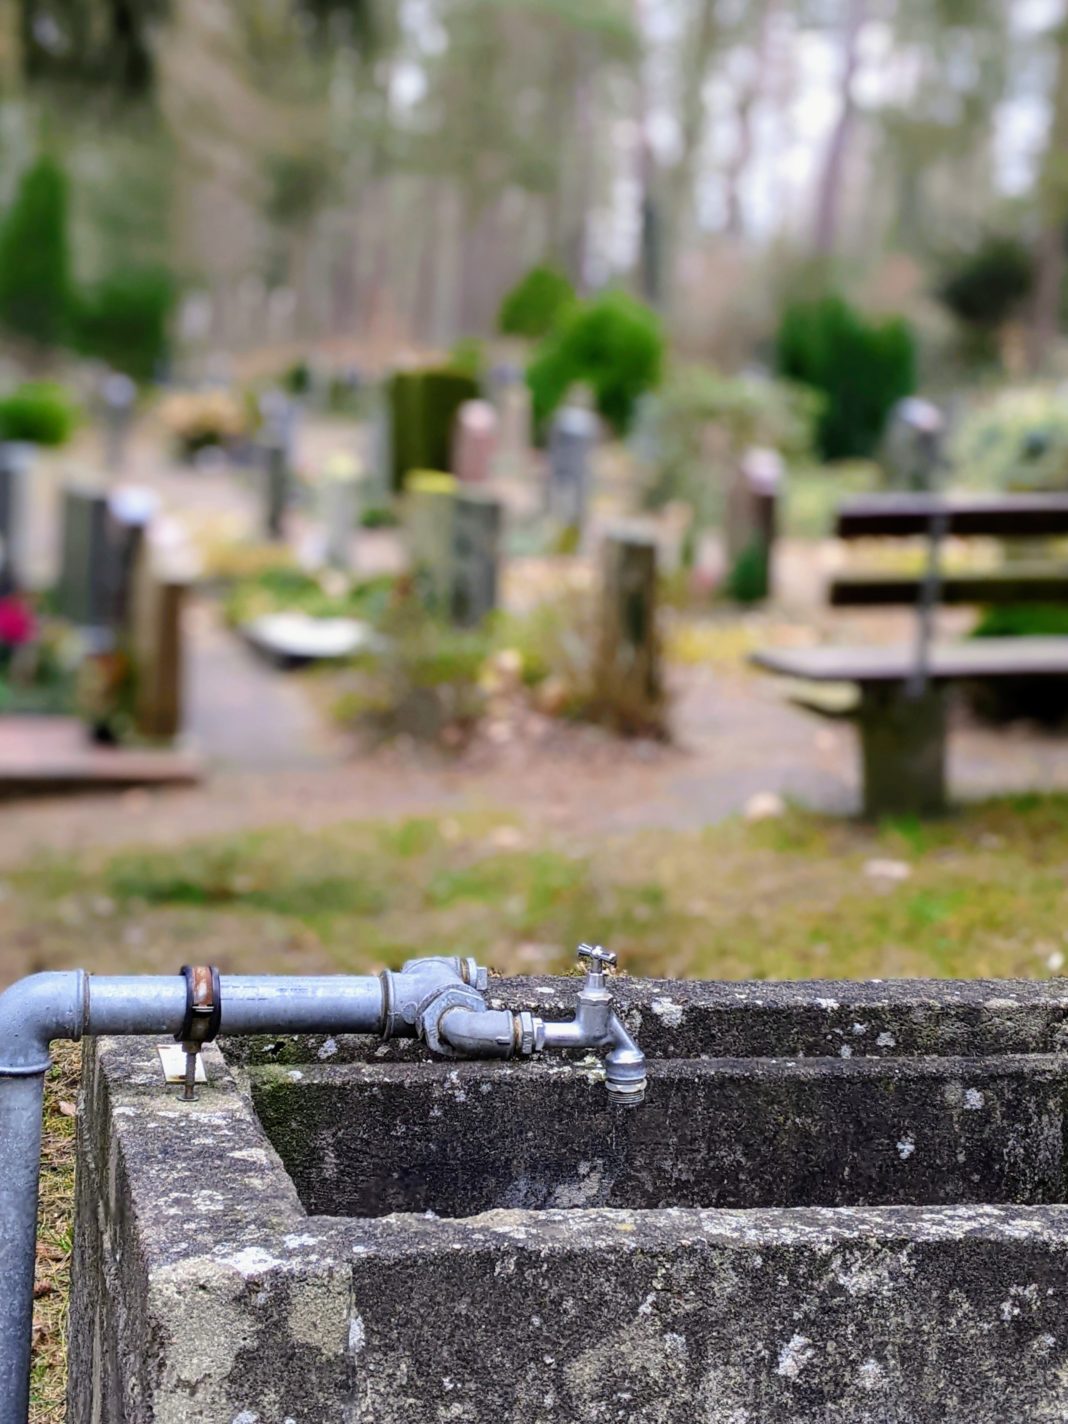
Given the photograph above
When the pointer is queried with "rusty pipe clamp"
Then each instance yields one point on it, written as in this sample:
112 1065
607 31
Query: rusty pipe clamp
203 1015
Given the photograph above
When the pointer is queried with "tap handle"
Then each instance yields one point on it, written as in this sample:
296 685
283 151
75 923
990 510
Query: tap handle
600 960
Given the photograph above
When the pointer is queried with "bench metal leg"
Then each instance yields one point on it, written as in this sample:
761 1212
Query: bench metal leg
903 751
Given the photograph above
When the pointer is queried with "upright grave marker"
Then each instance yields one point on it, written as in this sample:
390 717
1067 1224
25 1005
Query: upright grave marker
752 515
87 570
572 438
629 682
479 520
454 541
118 395
474 442
339 509
154 631
16 460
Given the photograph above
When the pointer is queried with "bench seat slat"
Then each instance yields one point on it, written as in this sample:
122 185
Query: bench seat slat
986 658
1014 584
997 516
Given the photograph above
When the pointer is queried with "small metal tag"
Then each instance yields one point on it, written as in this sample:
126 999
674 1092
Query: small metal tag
172 1059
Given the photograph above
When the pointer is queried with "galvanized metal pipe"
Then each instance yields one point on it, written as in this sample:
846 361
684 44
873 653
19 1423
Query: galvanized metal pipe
71 1004
438 1000
21 1103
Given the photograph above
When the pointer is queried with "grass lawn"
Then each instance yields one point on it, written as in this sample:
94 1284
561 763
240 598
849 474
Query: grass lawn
984 893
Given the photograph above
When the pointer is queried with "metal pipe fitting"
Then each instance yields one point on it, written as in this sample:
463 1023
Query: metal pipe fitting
437 1000
477 1032
70 1004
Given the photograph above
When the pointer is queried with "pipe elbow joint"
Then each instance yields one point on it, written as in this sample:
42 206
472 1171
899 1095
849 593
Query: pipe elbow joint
479 1033
34 1011
624 1067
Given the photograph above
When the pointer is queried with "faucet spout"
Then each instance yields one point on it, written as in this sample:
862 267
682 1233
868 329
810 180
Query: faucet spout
596 1025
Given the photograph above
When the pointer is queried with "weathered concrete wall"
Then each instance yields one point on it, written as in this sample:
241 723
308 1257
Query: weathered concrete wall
366 1140
204 1291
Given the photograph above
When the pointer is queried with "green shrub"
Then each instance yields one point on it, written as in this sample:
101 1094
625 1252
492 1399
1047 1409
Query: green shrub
35 278
536 303
984 286
613 344
1016 441
861 367
707 422
424 682
297 378
469 356
124 320
747 581
284 588
423 407
40 411
1011 699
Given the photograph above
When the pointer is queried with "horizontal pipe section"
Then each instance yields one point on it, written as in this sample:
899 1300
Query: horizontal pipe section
332 1003
135 1003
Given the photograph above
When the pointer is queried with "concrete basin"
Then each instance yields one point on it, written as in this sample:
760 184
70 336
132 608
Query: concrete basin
839 1204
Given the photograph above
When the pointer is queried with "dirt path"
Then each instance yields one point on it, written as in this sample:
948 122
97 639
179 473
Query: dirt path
736 737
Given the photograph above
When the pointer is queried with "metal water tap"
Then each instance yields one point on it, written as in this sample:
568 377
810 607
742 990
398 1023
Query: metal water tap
458 1027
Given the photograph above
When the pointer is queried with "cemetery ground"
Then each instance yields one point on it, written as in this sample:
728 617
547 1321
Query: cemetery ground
308 850
799 895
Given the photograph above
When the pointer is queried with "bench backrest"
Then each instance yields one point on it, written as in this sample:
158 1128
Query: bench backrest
1034 516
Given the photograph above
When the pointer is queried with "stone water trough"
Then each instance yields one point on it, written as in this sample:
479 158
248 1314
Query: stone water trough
839 1203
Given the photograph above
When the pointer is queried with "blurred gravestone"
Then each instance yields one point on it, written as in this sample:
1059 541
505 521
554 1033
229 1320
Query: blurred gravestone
339 509
912 448
474 442
629 684
645 440
454 544
277 446
276 488
478 521
154 633
131 510
16 461
380 446
515 417
429 507
752 506
87 569
572 438
118 395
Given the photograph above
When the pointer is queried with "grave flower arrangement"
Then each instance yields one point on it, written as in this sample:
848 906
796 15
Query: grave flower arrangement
36 659
18 625
199 420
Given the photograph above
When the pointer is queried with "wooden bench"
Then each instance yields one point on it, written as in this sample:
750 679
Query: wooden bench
900 707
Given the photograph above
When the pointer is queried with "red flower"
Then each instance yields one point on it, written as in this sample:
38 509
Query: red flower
17 623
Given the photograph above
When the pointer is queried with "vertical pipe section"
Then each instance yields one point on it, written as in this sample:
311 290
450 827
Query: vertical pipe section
21 1105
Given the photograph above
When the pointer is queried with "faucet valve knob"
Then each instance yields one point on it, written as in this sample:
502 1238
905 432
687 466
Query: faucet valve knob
600 959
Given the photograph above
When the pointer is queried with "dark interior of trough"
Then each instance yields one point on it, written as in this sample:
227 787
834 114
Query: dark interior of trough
362 1139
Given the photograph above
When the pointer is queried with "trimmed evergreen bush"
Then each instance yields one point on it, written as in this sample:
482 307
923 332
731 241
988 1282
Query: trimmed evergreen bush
985 286
124 320
35 279
535 304
423 406
39 411
861 367
613 344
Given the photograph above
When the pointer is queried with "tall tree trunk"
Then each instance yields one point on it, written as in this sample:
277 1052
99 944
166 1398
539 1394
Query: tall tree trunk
1053 199
650 242
749 96
829 199
699 49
